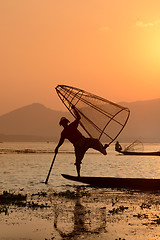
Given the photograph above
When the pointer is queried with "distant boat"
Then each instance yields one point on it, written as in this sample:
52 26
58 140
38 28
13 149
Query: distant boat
143 184
139 153
130 150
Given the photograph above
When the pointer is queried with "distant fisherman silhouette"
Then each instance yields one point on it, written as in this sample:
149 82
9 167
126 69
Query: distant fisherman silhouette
118 147
81 144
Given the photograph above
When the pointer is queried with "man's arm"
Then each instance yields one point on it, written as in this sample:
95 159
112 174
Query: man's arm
78 117
61 141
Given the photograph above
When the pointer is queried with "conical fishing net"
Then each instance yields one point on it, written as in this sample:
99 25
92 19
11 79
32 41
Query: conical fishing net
100 118
135 146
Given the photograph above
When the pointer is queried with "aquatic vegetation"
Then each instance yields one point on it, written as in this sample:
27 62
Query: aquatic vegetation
118 210
145 205
8 198
4 209
34 205
66 194
19 200
40 194
156 221
140 215
23 151
71 194
114 201
120 239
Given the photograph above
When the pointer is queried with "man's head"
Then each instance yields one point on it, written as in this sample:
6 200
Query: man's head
63 121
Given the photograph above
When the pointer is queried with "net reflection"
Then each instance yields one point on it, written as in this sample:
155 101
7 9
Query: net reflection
71 222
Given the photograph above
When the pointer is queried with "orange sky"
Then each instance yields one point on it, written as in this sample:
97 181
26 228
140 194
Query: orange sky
109 48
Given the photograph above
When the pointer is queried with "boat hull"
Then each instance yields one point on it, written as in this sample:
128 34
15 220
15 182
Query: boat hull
143 184
140 153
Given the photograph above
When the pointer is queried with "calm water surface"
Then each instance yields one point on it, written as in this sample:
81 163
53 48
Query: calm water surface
26 165
87 214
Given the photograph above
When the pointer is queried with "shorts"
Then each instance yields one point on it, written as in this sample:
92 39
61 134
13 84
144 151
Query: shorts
84 144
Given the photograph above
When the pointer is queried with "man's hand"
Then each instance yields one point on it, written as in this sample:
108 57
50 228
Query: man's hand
76 112
106 146
73 107
56 150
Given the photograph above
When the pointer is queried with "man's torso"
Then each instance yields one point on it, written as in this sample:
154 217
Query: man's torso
72 133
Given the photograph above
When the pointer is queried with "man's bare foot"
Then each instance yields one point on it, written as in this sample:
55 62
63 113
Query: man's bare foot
105 146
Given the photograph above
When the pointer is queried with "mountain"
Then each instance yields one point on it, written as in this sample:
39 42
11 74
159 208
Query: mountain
143 123
35 122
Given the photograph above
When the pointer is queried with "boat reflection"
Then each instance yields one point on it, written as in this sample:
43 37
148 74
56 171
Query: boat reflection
71 222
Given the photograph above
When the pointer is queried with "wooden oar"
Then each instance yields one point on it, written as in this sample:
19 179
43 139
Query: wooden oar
50 168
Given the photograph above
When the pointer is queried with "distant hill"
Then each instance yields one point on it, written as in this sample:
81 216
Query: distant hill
35 122
144 121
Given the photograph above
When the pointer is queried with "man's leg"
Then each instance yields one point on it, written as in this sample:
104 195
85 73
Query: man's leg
78 167
78 164
97 145
79 156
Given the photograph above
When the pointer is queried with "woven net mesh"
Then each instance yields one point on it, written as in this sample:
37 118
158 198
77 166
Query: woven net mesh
100 118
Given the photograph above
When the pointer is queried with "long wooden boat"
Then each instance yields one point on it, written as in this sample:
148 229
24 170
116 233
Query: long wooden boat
143 184
139 153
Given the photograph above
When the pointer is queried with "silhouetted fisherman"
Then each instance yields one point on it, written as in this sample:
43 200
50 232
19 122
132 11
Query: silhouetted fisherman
81 144
118 147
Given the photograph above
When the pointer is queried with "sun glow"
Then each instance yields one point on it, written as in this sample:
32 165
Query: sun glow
102 47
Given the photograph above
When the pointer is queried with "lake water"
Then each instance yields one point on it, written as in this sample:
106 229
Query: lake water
26 165
76 211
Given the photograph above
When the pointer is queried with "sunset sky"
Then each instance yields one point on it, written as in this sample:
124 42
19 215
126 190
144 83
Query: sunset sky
109 48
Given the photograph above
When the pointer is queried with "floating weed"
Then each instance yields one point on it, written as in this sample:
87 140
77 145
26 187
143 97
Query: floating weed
117 210
156 221
145 205
120 239
11 198
114 201
66 194
4 210
71 194
40 194
19 200
140 215
36 205
50 238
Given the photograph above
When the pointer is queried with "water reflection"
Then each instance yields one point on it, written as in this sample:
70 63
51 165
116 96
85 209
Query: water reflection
79 220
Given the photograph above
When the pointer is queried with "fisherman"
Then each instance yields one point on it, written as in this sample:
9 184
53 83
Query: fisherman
81 144
118 147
